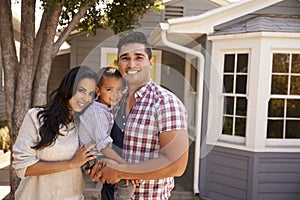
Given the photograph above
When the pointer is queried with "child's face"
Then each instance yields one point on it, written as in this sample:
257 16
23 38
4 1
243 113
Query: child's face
111 91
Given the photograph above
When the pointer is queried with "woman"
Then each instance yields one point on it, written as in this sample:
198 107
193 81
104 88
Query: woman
47 155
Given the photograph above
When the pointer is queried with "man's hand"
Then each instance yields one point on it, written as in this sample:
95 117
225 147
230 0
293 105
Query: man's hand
92 172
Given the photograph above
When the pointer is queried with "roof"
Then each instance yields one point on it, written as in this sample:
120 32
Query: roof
205 23
262 23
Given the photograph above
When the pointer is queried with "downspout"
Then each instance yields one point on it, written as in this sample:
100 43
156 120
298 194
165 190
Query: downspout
200 69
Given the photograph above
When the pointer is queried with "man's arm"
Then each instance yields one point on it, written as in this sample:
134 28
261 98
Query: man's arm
111 154
172 161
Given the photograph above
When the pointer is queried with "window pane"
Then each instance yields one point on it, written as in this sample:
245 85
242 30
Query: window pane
242 63
240 126
296 63
276 108
241 83
229 63
227 128
275 129
280 63
241 106
293 108
228 83
228 105
292 129
295 85
279 84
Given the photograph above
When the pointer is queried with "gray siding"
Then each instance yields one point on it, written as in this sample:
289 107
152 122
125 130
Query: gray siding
228 173
2 107
279 176
60 66
85 50
235 174
287 7
192 7
2 97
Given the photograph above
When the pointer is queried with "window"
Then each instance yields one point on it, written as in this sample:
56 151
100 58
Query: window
284 104
235 76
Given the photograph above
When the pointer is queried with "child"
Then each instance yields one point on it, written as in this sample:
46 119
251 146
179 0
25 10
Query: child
97 120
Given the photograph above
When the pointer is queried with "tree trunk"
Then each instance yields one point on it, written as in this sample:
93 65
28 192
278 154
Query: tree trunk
9 59
25 73
46 56
10 66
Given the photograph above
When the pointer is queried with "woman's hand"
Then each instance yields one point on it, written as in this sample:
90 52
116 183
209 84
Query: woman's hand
82 155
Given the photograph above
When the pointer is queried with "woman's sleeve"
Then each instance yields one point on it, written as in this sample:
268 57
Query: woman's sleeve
23 153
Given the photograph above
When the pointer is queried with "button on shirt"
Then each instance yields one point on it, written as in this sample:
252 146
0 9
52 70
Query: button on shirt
156 111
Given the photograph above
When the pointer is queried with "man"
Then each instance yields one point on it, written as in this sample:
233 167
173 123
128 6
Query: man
155 142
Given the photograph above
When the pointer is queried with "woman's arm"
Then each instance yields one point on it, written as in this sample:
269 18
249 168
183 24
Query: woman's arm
81 156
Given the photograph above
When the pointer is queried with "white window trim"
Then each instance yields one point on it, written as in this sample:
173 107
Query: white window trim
261 46
233 138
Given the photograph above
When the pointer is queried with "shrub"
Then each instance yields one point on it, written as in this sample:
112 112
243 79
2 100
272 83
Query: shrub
4 139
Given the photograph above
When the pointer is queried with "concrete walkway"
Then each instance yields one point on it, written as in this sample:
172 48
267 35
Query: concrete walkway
4 174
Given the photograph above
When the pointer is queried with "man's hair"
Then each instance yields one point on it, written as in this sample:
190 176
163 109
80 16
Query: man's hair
135 37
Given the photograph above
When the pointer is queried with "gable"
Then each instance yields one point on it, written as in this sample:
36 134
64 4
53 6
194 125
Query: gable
281 17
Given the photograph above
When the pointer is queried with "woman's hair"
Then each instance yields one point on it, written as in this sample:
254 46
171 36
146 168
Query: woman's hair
108 72
57 112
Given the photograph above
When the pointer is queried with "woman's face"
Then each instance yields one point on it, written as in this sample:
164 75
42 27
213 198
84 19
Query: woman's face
85 93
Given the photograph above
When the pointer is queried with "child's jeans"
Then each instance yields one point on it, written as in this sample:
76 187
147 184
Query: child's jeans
123 191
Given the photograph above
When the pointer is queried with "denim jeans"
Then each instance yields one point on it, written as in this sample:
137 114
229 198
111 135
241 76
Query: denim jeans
123 191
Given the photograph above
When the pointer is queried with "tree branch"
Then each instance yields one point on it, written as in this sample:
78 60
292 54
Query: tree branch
67 31
39 38
46 57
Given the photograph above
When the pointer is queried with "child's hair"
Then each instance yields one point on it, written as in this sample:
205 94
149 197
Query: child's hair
108 72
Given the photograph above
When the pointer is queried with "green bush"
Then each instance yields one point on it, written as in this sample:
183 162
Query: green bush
4 139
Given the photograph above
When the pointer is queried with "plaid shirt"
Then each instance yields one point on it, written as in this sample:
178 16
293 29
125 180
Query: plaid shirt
156 111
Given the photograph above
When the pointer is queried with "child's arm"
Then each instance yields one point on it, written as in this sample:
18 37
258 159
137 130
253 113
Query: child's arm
110 153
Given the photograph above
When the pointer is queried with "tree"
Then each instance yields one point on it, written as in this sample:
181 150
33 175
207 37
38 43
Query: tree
26 79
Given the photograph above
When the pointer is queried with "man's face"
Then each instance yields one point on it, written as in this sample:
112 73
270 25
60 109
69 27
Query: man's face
134 64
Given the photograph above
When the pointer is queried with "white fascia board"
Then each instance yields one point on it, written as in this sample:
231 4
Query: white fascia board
208 20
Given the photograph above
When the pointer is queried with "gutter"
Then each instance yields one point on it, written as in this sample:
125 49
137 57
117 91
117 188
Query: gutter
200 68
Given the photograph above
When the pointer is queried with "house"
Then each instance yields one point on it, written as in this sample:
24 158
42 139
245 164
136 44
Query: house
247 139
